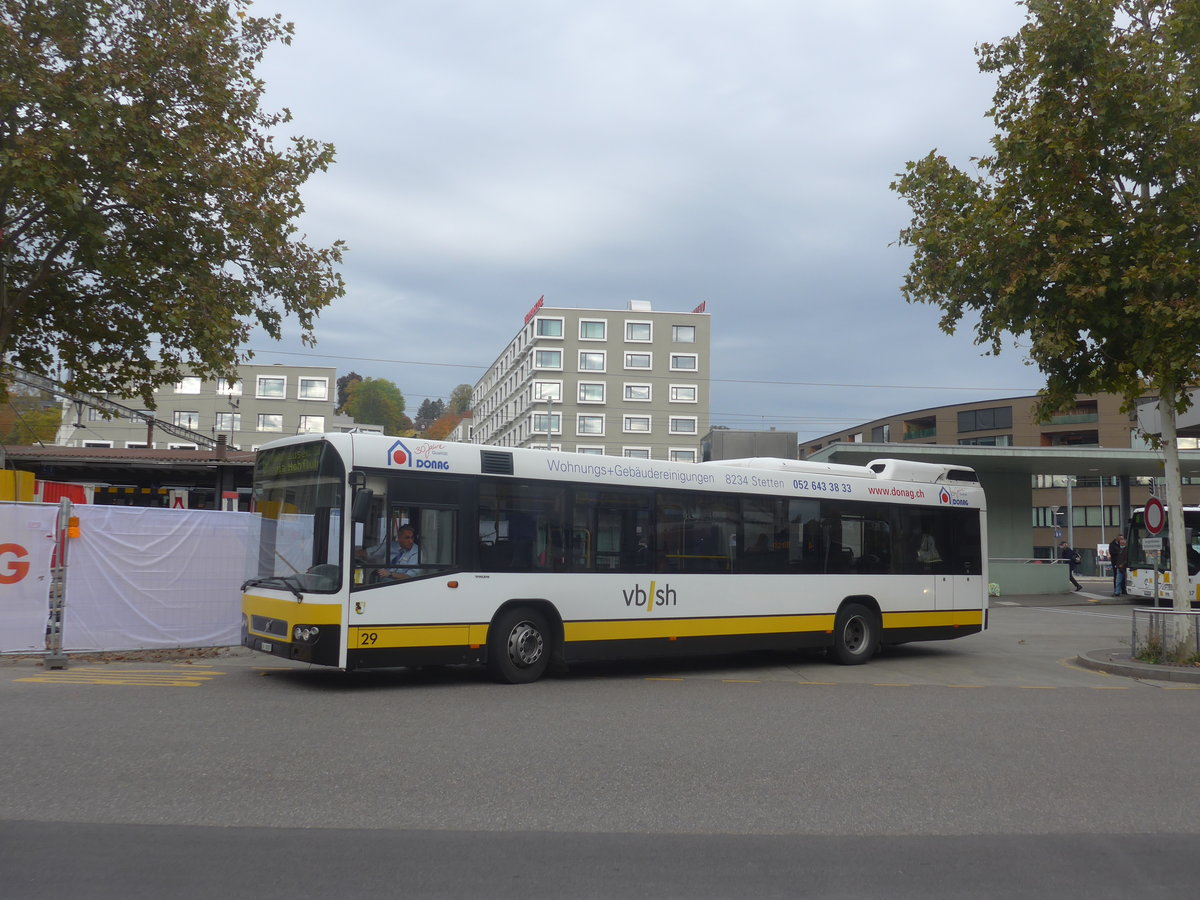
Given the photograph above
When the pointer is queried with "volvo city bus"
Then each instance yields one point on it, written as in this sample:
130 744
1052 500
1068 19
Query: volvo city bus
1140 581
526 558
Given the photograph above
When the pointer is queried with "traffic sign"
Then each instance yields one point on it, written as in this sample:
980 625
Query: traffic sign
1154 545
1154 515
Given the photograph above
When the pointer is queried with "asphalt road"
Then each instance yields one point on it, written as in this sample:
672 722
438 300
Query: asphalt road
988 767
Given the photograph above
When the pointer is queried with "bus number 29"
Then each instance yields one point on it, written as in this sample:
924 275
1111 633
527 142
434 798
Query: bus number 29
366 638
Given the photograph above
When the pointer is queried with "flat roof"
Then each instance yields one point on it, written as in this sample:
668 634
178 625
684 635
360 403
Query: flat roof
1019 460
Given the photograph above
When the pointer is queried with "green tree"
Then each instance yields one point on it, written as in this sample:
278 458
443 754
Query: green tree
377 401
460 399
29 416
1080 231
147 212
343 388
428 412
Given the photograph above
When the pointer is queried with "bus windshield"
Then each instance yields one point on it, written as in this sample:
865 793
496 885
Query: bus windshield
1140 559
299 493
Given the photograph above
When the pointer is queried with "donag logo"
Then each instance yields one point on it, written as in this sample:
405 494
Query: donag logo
944 497
399 455
952 498
12 563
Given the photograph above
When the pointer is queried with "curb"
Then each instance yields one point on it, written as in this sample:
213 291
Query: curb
1119 662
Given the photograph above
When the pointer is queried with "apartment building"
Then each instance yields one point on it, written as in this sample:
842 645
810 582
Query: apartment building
264 403
631 382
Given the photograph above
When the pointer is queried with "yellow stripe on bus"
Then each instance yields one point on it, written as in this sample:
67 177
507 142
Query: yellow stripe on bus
633 629
930 618
381 636
291 611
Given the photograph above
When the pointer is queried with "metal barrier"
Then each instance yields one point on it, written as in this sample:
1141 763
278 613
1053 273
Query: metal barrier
1166 635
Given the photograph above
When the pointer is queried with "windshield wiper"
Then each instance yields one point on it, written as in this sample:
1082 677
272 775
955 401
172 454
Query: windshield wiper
288 581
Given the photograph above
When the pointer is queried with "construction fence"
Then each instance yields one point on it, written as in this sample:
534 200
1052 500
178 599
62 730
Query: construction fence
98 578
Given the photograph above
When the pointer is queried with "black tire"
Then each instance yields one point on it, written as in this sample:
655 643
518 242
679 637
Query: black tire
856 632
519 646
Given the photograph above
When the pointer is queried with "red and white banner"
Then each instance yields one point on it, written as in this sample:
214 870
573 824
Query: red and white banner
26 549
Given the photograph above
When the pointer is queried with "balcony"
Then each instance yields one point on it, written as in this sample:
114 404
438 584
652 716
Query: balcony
1075 419
919 433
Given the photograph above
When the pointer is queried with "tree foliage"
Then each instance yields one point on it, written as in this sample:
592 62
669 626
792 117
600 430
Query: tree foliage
430 410
440 428
1080 231
460 399
377 401
29 416
343 388
147 213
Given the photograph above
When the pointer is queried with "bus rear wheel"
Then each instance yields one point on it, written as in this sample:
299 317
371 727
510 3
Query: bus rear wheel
519 644
855 634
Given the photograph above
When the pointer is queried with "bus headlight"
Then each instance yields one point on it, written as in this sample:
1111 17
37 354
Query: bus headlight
306 634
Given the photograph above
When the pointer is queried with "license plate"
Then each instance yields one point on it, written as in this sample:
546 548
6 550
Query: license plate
265 645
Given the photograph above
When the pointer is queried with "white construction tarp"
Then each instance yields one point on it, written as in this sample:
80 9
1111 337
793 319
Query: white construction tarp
141 579
26 549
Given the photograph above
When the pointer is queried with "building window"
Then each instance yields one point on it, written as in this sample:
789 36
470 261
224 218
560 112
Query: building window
637 423
636 452
684 362
591 360
681 425
229 388
683 393
270 422
995 440
540 421
271 387
313 389
681 455
592 330
549 328
637 393
591 392
97 445
188 384
95 415
140 415
311 425
985 419
547 359
590 451
638 360
638 332
683 334
137 445
589 424
881 434
182 447
229 421
547 390
186 418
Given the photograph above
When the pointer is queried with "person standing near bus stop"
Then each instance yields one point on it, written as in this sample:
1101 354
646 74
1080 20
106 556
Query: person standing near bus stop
1072 558
1118 558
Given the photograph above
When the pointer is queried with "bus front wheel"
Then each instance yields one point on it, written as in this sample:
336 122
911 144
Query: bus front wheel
519 646
855 634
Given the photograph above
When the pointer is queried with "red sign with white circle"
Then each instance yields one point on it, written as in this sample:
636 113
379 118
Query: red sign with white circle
1154 515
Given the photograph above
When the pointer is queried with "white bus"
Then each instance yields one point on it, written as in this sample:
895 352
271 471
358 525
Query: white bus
1140 579
527 558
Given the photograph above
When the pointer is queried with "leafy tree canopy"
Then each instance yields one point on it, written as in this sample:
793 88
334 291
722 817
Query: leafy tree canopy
440 428
460 399
1080 231
377 401
147 212
343 388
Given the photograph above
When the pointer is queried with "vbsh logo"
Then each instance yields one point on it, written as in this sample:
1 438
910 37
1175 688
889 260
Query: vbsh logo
655 596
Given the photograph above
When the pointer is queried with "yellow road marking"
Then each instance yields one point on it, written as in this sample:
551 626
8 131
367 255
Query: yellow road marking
180 677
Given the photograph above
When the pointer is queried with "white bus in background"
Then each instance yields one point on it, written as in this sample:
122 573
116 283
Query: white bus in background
527 558
1140 581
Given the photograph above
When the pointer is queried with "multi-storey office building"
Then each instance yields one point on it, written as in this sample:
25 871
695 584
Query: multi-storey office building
1086 509
631 382
265 402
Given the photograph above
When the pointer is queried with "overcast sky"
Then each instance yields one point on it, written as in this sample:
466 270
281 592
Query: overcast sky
597 151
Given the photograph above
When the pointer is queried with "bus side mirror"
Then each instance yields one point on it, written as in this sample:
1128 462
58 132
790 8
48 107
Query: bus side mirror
361 511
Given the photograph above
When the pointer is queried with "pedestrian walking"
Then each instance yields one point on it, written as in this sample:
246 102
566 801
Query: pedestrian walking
1073 560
